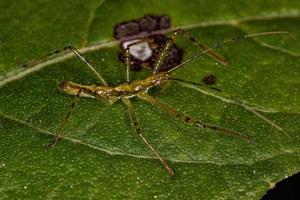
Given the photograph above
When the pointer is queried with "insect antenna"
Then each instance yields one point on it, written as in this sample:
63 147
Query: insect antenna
231 40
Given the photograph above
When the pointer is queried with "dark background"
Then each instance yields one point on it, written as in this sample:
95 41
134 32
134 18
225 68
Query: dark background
287 189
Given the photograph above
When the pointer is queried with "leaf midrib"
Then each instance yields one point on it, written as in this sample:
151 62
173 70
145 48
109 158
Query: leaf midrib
17 74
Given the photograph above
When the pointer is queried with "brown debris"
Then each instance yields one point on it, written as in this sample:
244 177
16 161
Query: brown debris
209 79
150 25
173 58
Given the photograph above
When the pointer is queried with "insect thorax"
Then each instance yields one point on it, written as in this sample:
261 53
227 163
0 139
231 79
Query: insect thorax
112 93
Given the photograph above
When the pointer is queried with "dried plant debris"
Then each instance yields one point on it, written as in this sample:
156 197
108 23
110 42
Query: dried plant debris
209 79
145 54
147 24
149 29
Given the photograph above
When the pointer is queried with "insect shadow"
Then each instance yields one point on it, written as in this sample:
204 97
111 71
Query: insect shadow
139 88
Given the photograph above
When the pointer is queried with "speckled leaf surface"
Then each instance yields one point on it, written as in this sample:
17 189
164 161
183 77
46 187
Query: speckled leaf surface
99 156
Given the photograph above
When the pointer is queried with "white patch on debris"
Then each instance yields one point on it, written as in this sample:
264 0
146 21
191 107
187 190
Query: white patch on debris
141 51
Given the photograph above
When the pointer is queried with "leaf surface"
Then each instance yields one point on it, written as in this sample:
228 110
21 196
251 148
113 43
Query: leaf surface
99 156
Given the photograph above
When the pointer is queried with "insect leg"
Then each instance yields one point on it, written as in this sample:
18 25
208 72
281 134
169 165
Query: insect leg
186 35
138 131
201 46
42 58
73 50
128 63
127 55
187 119
64 121
223 42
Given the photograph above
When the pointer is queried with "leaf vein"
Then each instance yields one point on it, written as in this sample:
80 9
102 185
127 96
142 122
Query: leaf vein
18 74
90 21
116 153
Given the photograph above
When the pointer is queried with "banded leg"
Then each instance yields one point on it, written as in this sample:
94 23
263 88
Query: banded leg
127 55
128 63
187 119
138 131
186 35
73 50
64 121
223 42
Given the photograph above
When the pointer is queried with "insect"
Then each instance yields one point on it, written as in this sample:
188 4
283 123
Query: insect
139 88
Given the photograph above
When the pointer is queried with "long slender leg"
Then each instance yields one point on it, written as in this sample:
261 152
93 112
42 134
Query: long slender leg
76 52
187 119
42 58
201 46
127 55
64 121
128 63
186 35
138 131
223 42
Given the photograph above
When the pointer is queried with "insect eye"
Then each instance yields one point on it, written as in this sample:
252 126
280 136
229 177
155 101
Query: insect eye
63 85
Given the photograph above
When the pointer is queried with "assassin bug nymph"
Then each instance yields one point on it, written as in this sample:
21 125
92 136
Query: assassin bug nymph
139 88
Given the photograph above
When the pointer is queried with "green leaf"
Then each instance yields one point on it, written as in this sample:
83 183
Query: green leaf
99 156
